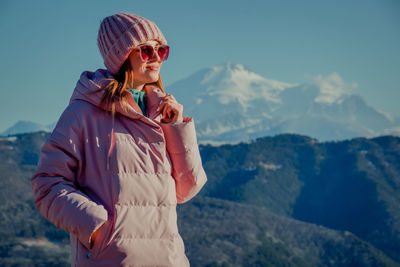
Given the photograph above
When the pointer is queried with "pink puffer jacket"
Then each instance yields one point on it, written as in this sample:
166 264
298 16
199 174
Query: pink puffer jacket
123 174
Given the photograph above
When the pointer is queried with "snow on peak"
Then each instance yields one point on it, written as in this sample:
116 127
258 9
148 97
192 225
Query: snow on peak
24 126
234 82
332 88
226 71
225 89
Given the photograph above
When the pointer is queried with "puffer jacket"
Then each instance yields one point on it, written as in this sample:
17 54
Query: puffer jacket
122 174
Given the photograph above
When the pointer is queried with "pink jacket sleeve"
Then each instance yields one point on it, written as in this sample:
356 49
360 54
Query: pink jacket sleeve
55 193
184 153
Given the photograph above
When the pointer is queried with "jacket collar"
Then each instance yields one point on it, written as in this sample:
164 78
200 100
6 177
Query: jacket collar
89 82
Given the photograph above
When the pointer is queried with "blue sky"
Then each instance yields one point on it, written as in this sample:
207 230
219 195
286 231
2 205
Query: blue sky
45 45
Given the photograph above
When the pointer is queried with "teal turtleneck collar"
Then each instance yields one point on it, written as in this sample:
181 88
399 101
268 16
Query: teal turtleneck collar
138 96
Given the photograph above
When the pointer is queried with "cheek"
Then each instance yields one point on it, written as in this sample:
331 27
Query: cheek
137 66
136 63
140 72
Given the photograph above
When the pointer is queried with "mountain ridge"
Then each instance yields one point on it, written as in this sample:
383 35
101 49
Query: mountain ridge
267 107
230 103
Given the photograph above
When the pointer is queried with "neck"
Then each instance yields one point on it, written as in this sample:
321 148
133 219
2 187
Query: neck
138 87
132 84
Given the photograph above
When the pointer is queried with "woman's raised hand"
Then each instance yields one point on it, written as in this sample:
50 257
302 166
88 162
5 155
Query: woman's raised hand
170 109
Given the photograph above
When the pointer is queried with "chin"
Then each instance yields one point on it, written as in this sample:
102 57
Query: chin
153 79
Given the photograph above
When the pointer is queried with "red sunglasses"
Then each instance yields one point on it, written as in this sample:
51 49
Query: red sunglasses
147 52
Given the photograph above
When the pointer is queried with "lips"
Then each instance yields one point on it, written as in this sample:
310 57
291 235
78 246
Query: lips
152 68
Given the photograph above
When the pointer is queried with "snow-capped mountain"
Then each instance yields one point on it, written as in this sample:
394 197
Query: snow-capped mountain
27 127
228 89
231 104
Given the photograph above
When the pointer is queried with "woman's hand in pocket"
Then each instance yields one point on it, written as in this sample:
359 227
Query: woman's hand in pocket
94 236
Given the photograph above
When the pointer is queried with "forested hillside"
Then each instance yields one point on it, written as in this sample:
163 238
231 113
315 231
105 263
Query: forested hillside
286 200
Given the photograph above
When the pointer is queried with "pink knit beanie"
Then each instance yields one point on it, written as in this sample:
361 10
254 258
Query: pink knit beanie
120 33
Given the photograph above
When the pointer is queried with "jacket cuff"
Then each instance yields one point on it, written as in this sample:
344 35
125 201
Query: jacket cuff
180 137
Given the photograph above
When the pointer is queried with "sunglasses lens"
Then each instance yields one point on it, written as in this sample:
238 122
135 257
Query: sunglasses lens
163 52
146 52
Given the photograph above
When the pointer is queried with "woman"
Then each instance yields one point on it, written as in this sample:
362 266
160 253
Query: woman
121 156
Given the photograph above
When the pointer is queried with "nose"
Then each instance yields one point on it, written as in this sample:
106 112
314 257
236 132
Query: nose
155 56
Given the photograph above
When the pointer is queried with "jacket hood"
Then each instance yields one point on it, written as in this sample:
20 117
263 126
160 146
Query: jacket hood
89 82
86 88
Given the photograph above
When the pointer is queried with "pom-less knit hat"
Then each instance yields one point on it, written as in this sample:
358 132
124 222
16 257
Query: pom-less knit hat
120 33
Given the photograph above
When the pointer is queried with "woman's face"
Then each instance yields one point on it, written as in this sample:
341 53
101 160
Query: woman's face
148 71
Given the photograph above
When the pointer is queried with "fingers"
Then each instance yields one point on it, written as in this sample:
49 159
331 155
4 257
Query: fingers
171 110
168 98
164 111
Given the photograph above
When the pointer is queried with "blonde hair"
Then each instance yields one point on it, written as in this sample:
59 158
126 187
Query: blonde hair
116 89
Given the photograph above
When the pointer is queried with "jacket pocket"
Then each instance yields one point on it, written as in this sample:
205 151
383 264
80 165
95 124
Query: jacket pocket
103 238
